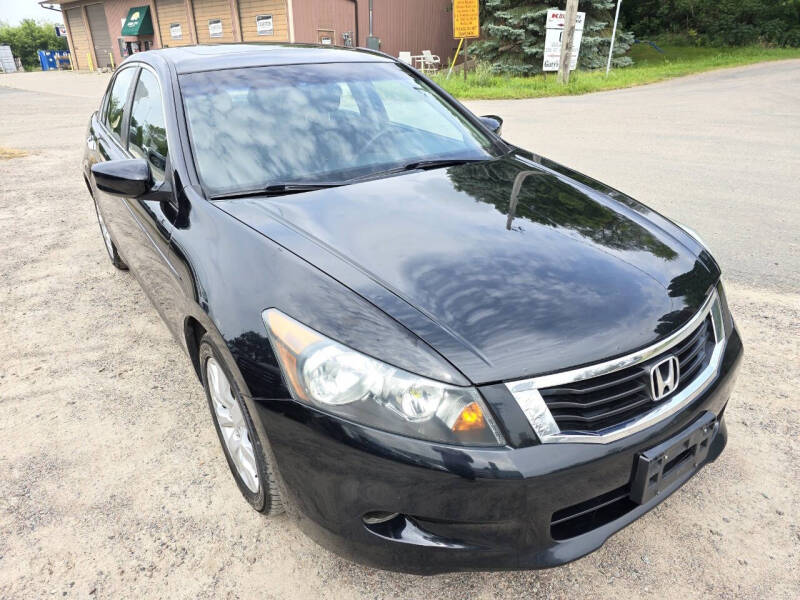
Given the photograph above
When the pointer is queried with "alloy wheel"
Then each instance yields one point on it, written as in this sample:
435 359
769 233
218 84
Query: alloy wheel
232 424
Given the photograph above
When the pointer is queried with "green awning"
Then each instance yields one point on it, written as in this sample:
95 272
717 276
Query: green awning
138 22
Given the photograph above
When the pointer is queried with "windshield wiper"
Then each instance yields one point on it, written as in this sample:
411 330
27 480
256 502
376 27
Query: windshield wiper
416 166
281 189
442 162
277 189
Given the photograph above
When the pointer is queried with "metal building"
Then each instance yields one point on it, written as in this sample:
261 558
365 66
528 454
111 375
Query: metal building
102 32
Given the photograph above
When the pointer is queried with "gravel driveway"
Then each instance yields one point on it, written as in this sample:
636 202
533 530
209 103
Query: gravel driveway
112 482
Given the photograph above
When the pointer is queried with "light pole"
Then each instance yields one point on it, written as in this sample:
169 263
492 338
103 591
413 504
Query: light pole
613 35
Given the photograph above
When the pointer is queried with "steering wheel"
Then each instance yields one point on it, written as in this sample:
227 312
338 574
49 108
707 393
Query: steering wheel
368 145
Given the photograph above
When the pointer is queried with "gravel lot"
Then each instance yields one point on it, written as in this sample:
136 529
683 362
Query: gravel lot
112 482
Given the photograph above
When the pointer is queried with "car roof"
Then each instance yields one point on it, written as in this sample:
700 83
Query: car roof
190 59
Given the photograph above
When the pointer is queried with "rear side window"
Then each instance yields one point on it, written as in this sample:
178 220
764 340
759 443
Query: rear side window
116 101
147 138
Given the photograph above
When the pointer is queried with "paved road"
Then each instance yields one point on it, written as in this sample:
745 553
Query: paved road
718 152
112 483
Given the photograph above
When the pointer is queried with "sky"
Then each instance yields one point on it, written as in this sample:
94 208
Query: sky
13 11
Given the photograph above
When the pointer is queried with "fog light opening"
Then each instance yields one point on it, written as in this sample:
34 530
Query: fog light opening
378 516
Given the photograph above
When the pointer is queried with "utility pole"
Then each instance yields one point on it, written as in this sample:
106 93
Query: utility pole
566 41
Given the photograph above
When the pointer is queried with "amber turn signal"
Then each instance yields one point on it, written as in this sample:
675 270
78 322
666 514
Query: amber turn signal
470 419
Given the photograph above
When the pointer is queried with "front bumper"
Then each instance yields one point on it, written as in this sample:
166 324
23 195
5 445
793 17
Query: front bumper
467 508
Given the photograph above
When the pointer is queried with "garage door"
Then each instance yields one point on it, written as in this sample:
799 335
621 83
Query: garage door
264 20
173 23
96 14
80 39
213 20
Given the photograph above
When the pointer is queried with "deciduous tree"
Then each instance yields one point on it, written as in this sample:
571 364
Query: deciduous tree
28 37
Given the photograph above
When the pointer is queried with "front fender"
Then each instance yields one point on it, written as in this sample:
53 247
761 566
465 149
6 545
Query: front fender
232 273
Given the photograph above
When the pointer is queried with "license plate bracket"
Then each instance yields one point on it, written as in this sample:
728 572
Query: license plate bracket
659 467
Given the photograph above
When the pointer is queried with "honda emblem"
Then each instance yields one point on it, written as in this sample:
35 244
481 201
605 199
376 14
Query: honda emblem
664 377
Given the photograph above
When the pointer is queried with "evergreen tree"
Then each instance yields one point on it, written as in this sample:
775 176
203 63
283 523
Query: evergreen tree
514 31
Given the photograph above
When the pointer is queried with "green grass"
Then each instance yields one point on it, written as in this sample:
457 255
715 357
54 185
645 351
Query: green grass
649 66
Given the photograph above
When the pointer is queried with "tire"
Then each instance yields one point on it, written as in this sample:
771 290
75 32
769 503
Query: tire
111 248
266 499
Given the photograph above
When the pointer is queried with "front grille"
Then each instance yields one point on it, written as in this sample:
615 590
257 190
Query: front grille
594 404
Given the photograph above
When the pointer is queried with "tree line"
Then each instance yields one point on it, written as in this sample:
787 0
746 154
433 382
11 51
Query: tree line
716 22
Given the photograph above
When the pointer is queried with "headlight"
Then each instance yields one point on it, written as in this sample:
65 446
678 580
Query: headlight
327 375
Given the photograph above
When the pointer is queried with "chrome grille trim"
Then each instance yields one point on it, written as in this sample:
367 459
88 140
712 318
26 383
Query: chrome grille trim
526 392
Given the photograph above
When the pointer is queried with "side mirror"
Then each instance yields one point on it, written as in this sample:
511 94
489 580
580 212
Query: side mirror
128 177
493 122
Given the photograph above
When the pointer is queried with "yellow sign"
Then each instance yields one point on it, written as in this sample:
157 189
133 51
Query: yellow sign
466 20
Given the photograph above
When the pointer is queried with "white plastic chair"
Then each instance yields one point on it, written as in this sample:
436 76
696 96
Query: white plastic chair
430 62
405 57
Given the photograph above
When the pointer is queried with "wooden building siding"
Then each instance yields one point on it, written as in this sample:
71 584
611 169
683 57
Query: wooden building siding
310 18
206 10
402 25
80 37
116 11
250 9
169 12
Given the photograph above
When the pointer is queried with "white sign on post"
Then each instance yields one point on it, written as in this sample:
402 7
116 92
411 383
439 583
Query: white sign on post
552 41
175 31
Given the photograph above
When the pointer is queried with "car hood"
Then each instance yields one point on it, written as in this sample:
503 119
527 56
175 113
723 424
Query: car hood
509 268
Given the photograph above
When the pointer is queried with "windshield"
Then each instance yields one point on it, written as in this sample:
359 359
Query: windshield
329 123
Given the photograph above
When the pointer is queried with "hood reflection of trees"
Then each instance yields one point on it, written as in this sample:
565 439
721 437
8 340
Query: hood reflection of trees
691 287
549 201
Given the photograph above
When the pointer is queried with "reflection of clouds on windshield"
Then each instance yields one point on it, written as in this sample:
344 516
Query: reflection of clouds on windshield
252 127
243 140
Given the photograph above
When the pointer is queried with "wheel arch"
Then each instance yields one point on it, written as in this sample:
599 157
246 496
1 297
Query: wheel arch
193 332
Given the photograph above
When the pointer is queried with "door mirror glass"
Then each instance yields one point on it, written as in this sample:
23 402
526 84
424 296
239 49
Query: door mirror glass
493 122
130 177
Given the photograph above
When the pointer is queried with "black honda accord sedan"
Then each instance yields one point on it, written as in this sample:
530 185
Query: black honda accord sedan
436 350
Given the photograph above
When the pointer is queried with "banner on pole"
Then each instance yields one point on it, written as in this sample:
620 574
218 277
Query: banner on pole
466 19
552 41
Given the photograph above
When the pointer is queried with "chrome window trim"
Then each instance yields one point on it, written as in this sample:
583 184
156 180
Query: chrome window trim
526 392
